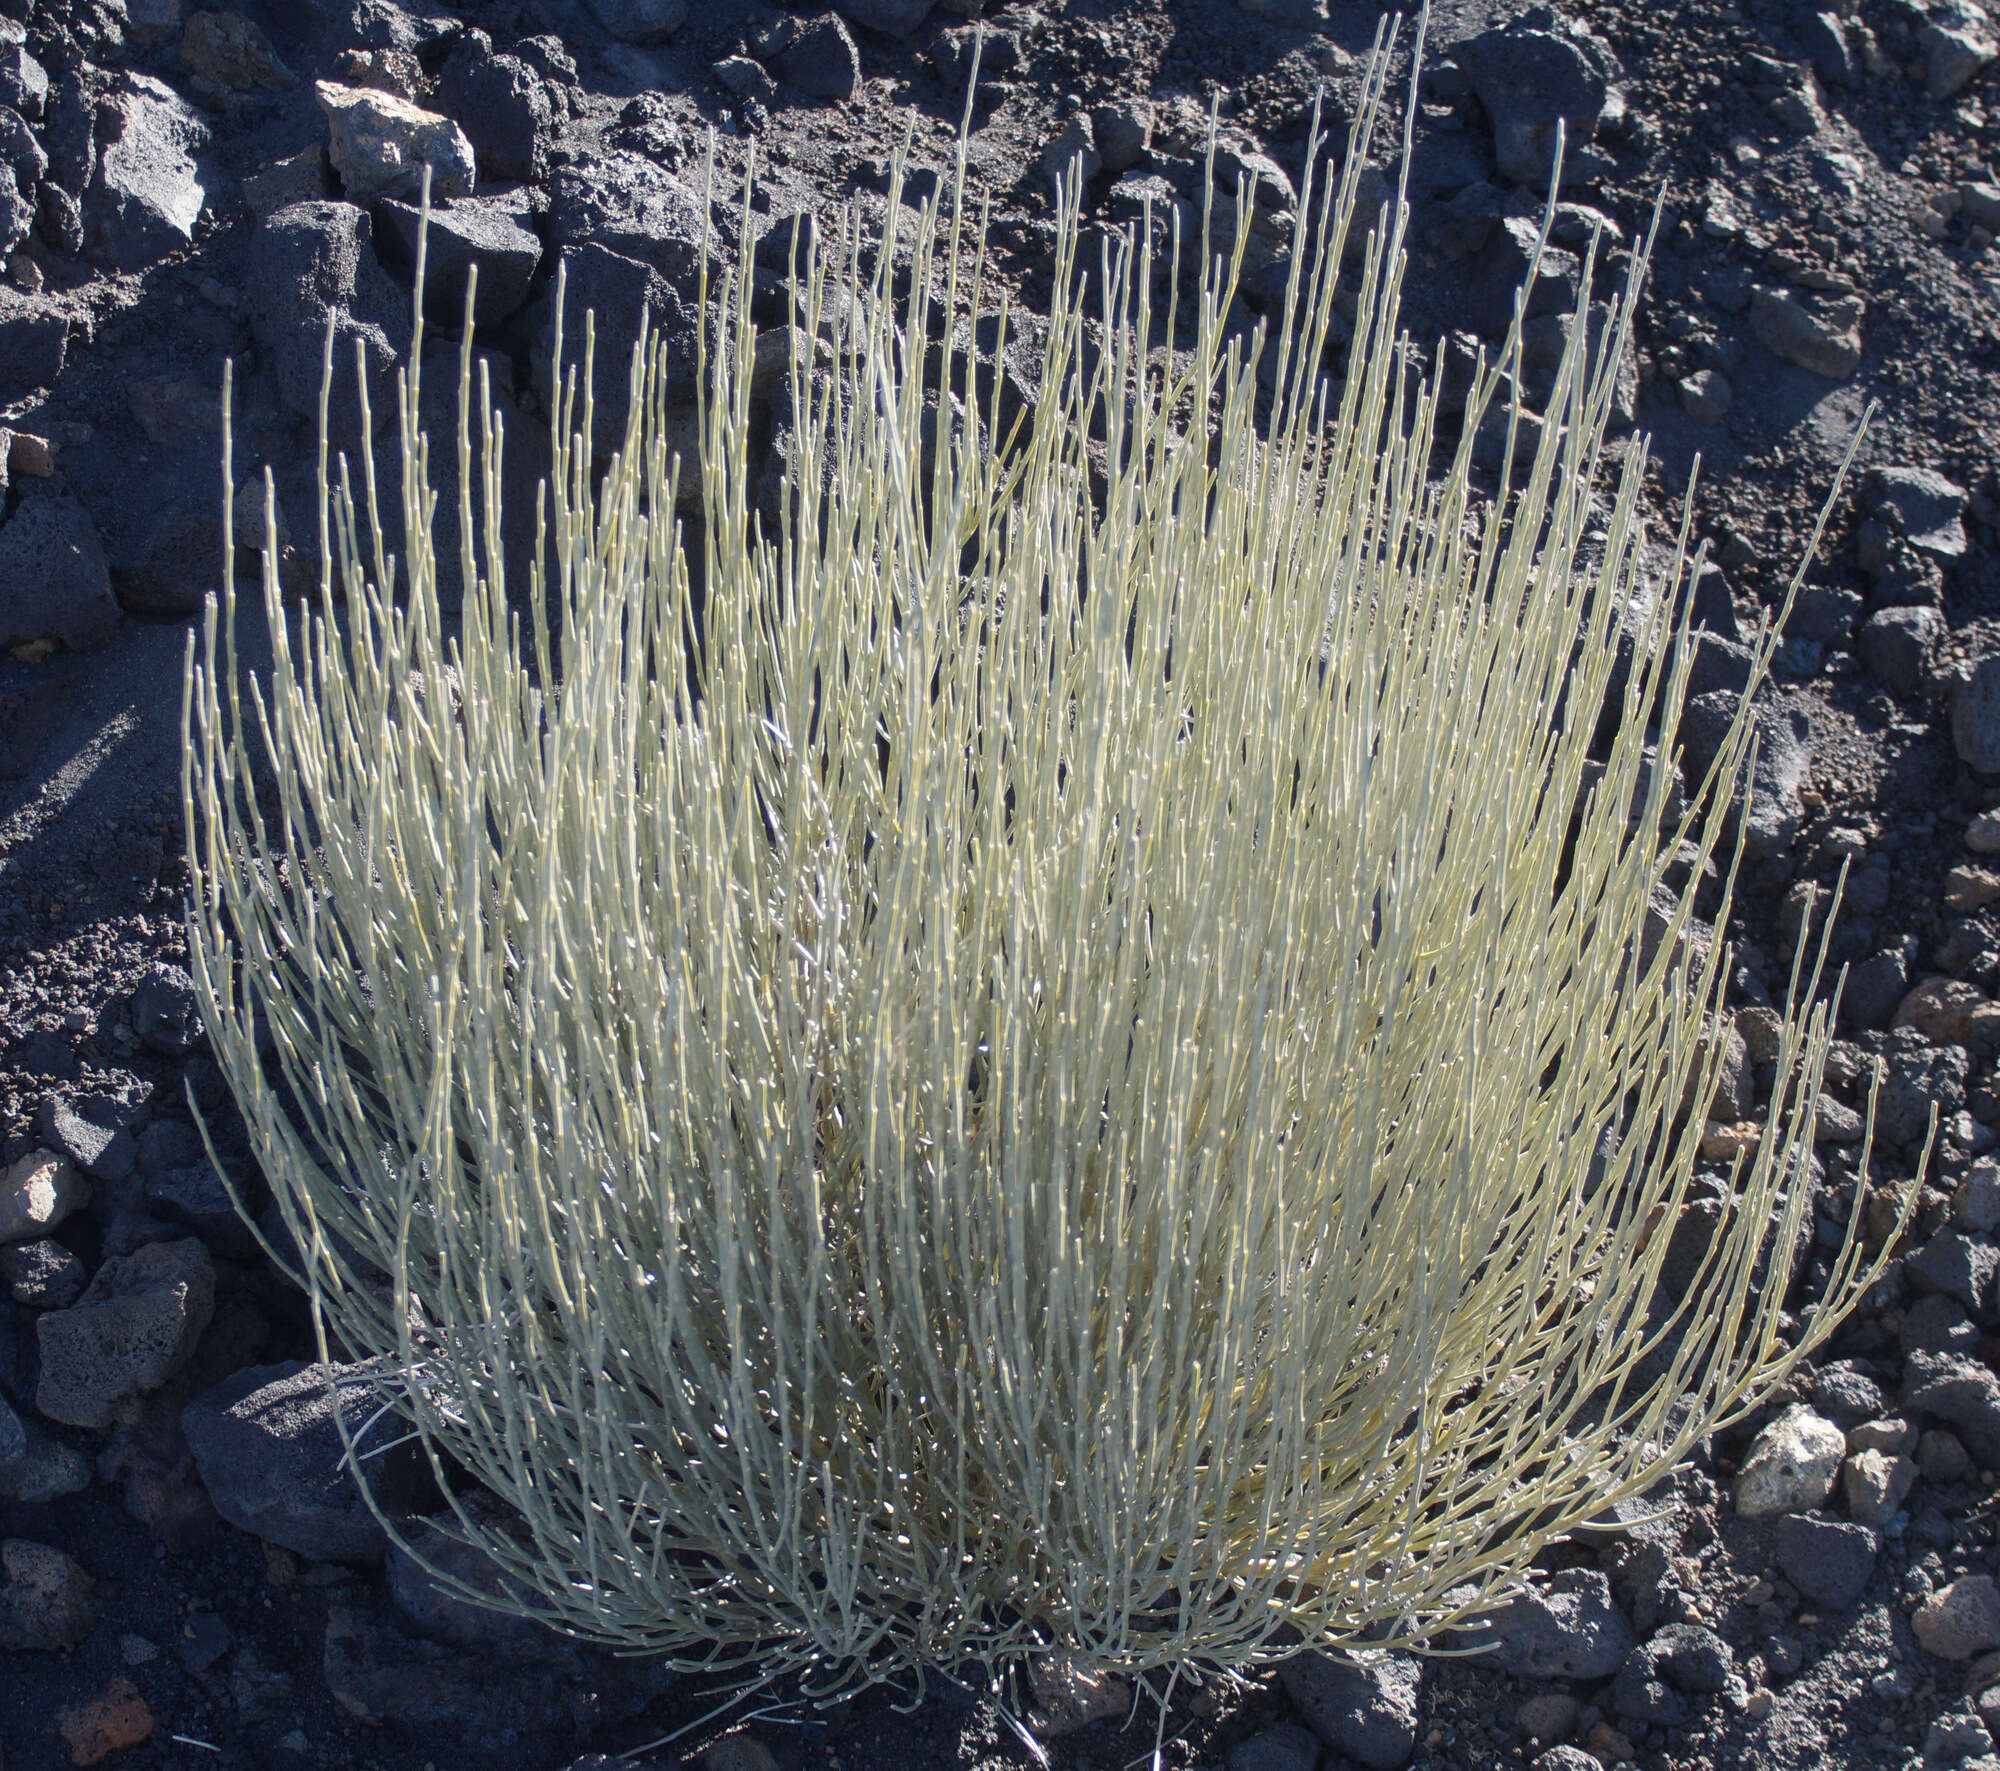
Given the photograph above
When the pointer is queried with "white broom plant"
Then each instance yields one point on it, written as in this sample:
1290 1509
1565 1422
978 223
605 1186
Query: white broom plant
1029 1075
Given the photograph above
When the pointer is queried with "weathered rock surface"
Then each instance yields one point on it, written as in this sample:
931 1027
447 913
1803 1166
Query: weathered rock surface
380 145
134 1327
150 184
1791 1465
38 1193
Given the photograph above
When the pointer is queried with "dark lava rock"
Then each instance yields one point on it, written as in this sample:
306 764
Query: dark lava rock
1564 1628
1640 1695
1826 614
34 344
618 290
1774 812
1920 1077
164 1011
1501 268
43 1275
1461 225
640 21
1975 718
1921 506
311 264
46 1053
1692 1657
821 60
196 1198
1897 646
1283 1748
149 188
96 1131
1365 1707
1847 1395
1829 1560
1958 1265
45 1603
55 582
378 1673
894 18
628 205
1937 1324
1960 1391
505 109
1823 37
166 1144
1531 75
24 82
495 232
1874 989
269 1449
440 1614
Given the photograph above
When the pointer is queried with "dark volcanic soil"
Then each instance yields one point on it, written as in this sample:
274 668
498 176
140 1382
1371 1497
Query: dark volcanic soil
1825 172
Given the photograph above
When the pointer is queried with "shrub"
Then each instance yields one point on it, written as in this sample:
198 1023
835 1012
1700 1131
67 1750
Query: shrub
1068 1055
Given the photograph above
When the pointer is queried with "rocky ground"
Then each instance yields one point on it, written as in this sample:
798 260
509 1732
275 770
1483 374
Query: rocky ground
184 1578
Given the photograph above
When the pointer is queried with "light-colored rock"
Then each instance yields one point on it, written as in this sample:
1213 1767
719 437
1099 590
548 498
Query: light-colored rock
37 1193
1791 1466
1959 44
1947 1011
1069 1696
1892 1434
1960 1620
1828 344
1970 888
1724 1140
1706 396
1876 1483
380 144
